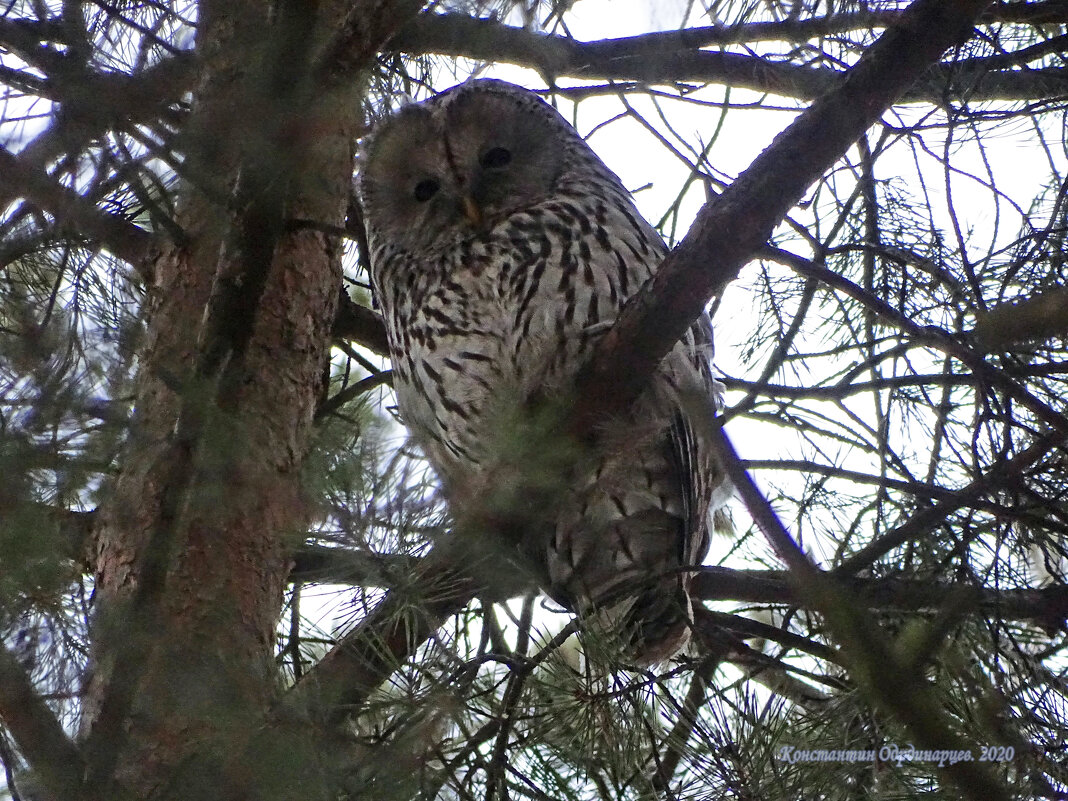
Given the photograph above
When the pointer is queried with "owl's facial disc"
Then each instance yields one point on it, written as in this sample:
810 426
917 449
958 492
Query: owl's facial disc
504 155
456 166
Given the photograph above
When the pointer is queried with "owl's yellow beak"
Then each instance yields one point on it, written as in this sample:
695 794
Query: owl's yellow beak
471 211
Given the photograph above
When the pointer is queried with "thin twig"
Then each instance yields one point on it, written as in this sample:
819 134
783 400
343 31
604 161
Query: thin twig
885 677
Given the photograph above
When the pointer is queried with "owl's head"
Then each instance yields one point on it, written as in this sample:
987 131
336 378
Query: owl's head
445 169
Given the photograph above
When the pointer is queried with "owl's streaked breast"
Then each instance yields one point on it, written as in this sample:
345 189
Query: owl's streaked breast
504 312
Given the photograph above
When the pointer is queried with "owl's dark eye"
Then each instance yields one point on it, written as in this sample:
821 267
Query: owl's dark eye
495 158
426 189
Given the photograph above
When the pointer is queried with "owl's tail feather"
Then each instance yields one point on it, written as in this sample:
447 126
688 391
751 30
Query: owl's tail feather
659 623
646 629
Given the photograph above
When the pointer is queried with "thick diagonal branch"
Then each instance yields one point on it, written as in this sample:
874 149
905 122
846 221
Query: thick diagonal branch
731 228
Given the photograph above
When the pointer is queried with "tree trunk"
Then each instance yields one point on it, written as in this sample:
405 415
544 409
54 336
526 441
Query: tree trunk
194 549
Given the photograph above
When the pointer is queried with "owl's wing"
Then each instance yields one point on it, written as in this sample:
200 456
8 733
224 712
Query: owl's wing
684 452
698 472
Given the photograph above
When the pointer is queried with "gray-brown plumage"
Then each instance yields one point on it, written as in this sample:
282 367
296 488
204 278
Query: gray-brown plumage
501 248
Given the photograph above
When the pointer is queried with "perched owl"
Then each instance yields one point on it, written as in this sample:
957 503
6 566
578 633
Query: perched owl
501 248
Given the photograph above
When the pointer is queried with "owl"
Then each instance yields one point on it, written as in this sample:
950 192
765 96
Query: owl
501 249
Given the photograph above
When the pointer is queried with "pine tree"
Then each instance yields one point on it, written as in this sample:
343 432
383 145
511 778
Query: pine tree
225 574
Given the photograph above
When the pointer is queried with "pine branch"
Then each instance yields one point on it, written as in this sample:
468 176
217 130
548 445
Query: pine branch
1046 606
676 56
676 742
90 103
926 520
71 210
736 225
90 95
883 672
929 336
340 682
782 679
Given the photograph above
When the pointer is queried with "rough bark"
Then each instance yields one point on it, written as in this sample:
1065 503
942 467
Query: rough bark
193 555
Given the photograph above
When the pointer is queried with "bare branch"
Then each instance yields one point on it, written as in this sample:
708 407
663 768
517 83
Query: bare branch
736 224
654 58
318 563
676 56
360 325
1046 606
119 236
